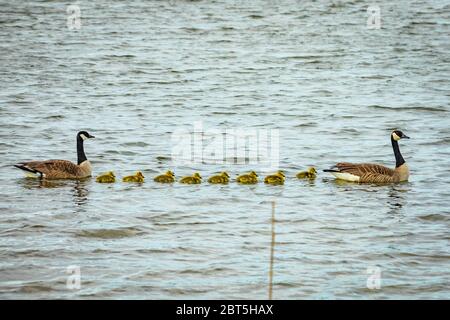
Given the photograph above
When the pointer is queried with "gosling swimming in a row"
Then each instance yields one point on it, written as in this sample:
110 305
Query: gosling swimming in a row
138 178
277 178
249 178
311 173
354 172
222 178
196 178
110 177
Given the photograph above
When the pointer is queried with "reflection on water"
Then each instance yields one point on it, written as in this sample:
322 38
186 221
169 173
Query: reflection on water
398 197
79 187
272 251
81 191
35 183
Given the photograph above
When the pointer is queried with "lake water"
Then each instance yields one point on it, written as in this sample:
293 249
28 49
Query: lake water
136 72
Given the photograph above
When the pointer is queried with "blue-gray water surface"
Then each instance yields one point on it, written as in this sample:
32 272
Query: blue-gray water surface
136 71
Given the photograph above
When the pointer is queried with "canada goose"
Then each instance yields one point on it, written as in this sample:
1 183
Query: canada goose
107 177
167 177
309 174
375 173
194 179
250 178
137 177
275 179
222 178
61 169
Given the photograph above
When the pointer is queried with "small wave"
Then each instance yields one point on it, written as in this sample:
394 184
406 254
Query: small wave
223 113
185 292
163 158
376 77
306 124
434 217
422 109
286 284
151 251
255 16
125 153
192 29
135 144
108 233
55 117
205 271
35 288
431 23
444 141
313 62
119 56
166 82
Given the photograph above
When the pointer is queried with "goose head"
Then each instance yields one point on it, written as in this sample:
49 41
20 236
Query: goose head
397 135
253 174
170 173
197 175
224 174
111 174
84 135
312 170
139 174
280 173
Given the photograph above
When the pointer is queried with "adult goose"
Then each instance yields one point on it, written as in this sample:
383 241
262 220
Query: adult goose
61 169
375 173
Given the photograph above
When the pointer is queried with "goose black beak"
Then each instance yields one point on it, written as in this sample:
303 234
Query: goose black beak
405 137
91 137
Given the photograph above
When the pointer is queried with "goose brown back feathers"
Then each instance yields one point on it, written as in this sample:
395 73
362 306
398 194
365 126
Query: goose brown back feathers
57 169
368 172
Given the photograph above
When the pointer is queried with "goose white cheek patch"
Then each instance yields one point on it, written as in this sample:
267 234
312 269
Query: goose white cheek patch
83 136
395 136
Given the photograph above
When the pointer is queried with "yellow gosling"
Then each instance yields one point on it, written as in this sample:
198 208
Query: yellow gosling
311 173
275 179
194 179
167 177
250 178
222 178
138 177
107 177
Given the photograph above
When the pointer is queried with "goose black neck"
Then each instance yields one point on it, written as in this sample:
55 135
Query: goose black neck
80 150
398 156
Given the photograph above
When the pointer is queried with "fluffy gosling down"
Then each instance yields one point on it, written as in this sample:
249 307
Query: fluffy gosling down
275 179
194 179
249 178
107 177
222 178
311 173
167 177
138 177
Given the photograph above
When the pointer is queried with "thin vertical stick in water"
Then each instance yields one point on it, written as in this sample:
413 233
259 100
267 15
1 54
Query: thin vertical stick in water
272 249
